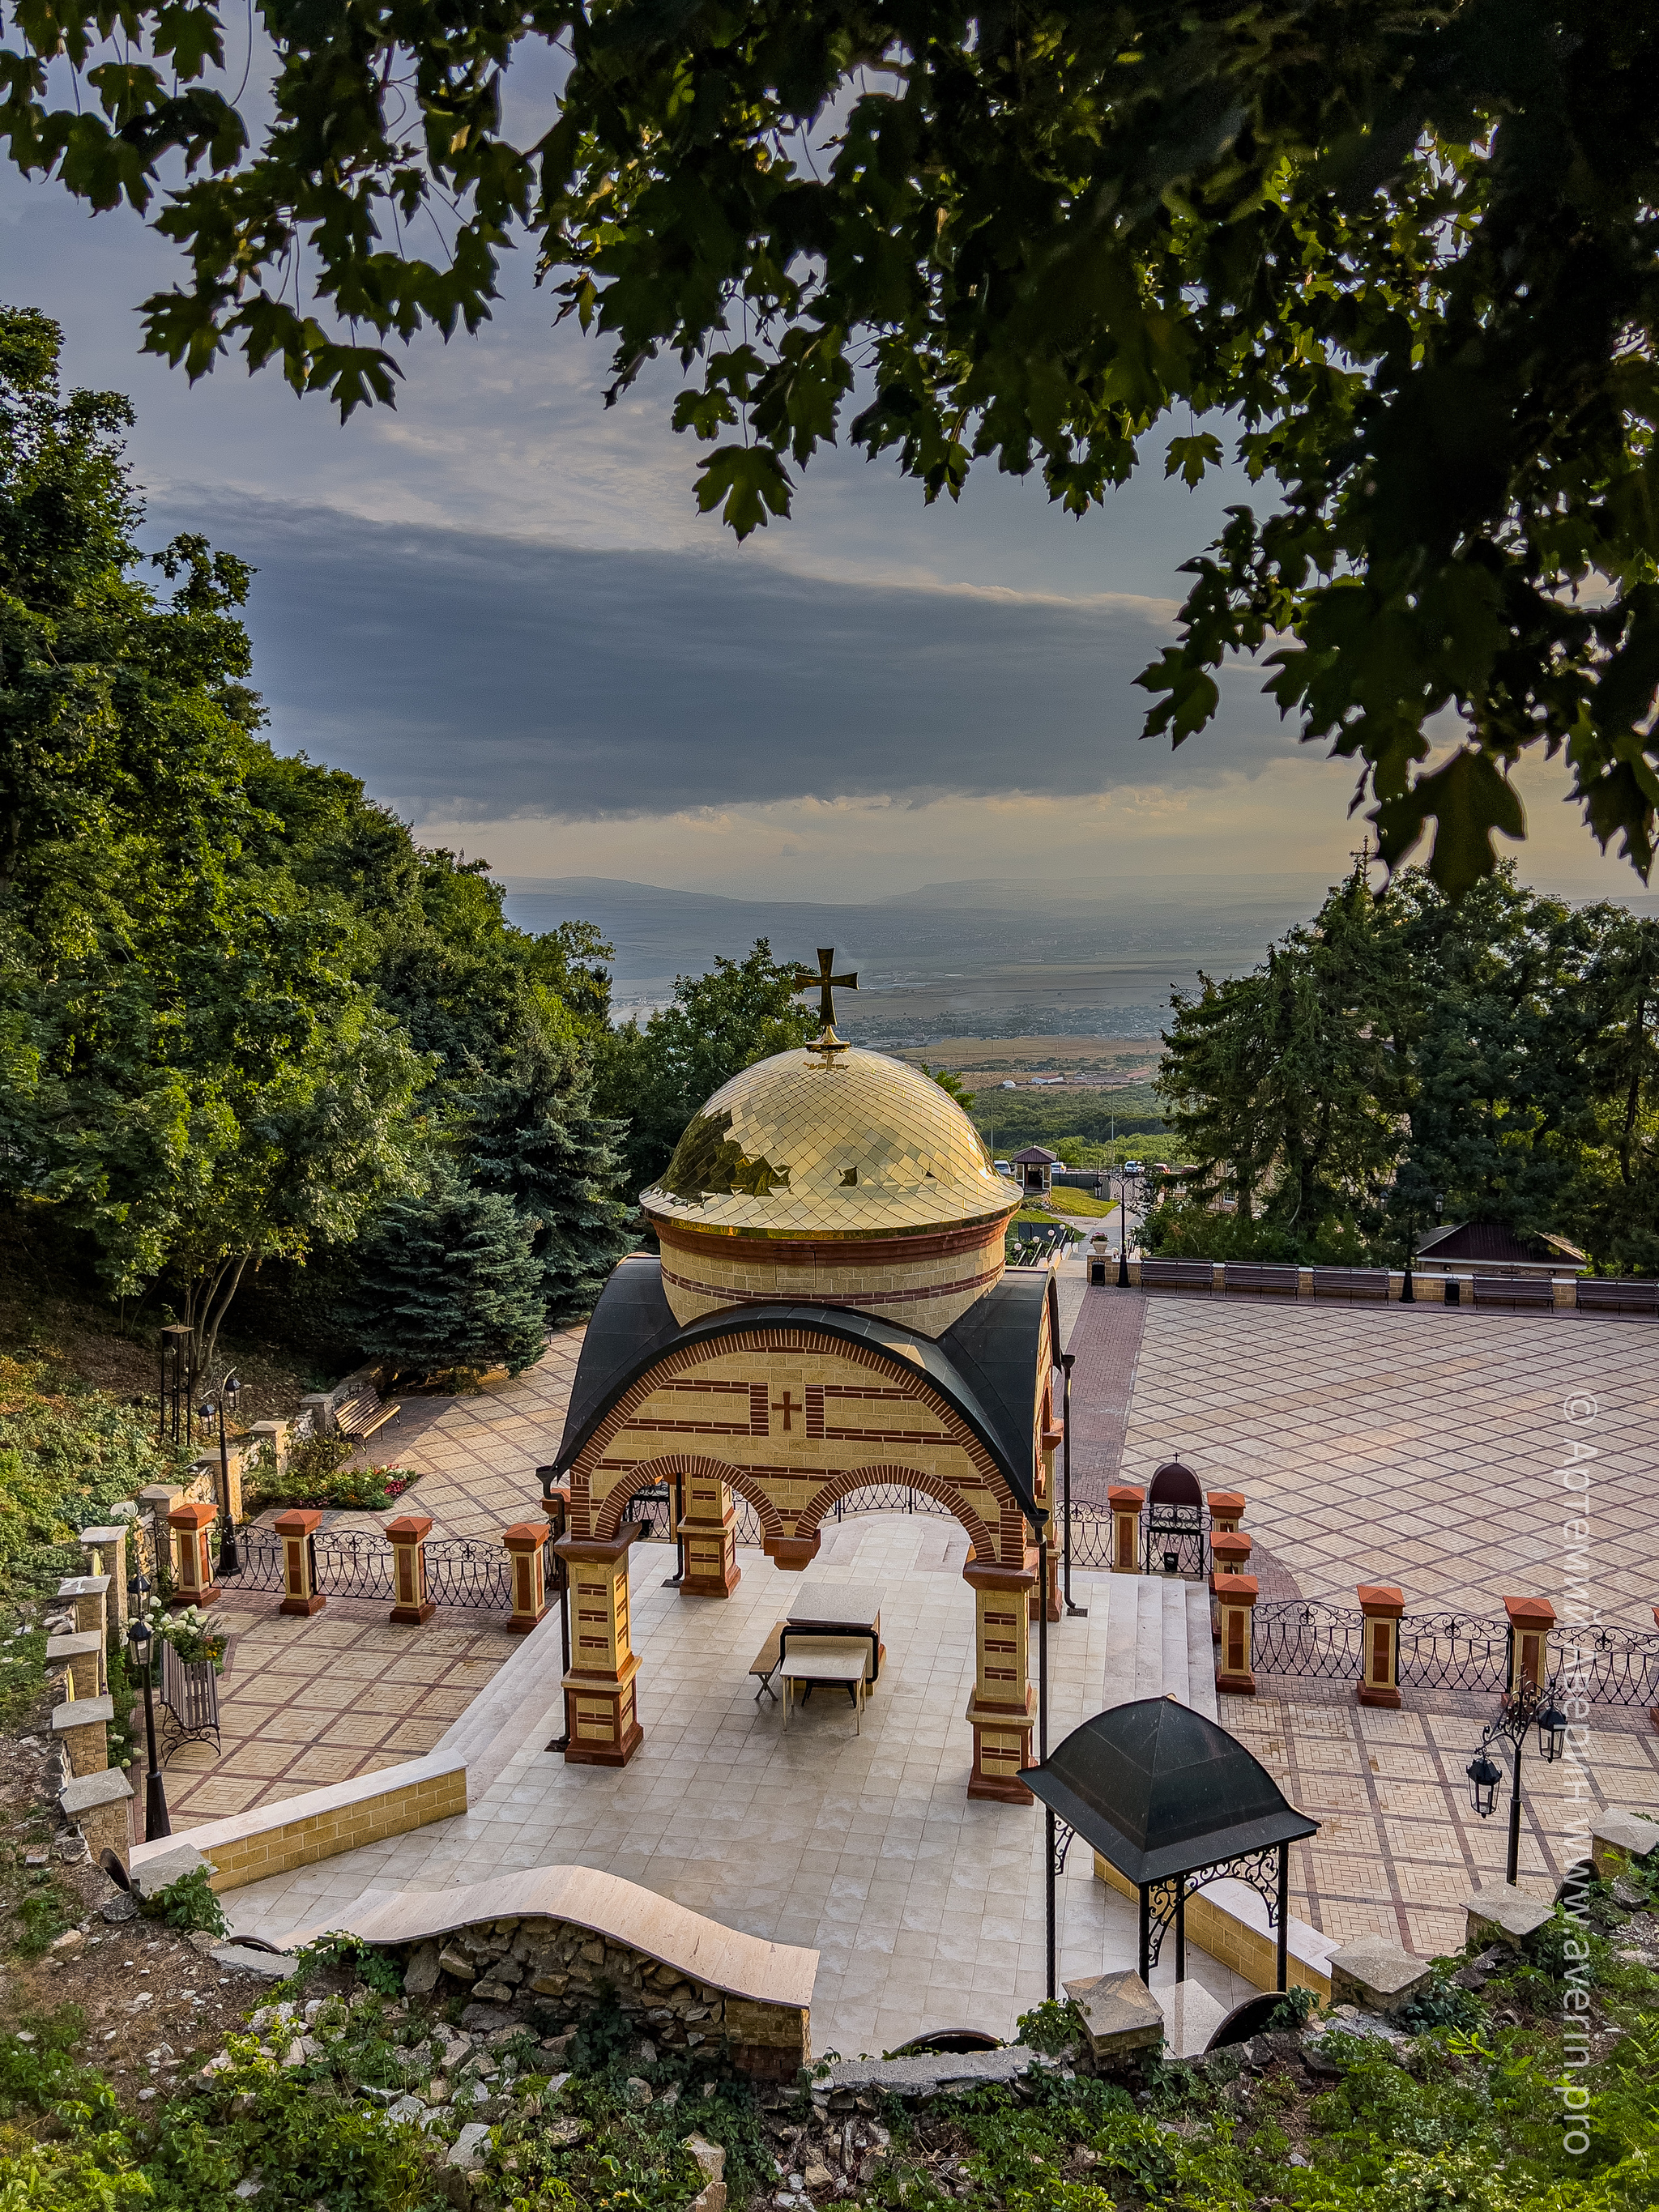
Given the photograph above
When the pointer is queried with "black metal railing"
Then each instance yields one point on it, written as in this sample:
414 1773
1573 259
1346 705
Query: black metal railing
460 1573
1453 1651
1610 1666
1300 1636
359 1563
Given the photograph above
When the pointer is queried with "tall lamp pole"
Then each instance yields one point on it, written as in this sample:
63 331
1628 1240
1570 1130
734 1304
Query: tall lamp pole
140 1642
1530 1703
1067 1361
1407 1294
1122 1230
229 1391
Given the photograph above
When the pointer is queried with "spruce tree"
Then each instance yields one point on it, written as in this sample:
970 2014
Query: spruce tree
450 1279
536 1141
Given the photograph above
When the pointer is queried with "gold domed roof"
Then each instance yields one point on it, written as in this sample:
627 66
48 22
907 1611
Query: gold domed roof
814 1145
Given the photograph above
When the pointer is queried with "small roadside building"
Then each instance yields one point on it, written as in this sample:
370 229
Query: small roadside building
1487 1247
1033 1170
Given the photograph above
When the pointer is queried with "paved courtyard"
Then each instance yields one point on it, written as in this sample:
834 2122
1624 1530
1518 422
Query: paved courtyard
1406 1444
1421 1447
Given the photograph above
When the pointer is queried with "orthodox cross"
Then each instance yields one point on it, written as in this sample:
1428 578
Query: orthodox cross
824 983
788 1408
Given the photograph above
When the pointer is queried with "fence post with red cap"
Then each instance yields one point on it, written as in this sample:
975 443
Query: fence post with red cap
407 1536
526 1542
298 1527
193 1582
1531 1619
1381 1605
1235 1596
1126 1502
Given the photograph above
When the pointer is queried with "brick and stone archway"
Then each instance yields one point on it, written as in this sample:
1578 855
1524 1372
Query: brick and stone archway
793 1408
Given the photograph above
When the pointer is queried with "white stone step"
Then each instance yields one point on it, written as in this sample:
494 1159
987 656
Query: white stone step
1158 1641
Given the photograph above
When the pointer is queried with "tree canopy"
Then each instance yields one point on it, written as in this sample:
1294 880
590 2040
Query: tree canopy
241 1012
1400 1060
1407 250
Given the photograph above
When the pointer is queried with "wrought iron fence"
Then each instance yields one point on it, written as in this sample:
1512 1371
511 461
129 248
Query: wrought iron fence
1299 1636
1453 1651
460 1573
1610 1666
359 1563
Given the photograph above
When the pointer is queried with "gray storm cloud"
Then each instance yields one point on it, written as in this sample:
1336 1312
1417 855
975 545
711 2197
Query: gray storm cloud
466 676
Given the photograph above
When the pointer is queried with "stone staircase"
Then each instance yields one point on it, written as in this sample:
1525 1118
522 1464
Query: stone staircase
1158 1641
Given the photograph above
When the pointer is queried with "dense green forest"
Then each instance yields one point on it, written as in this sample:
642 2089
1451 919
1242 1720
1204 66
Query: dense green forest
1079 1124
255 1041
1401 1058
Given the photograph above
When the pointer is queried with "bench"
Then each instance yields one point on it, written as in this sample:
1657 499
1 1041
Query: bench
1352 1283
189 1691
1178 1274
1279 1277
1514 1290
765 1662
358 1416
1611 1294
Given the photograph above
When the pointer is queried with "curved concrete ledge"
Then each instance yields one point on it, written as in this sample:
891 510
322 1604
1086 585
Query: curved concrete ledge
702 1950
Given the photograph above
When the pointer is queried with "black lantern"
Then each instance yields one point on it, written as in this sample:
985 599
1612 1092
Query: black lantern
1552 1733
1171 1562
1484 1778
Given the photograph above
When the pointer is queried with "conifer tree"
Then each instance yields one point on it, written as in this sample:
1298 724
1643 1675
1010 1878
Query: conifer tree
536 1141
450 1280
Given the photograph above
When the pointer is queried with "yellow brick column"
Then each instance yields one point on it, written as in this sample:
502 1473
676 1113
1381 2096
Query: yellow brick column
1002 1702
1531 1619
1235 1596
604 1730
708 1522
1226 1510
1381 1605
407 1536
192 1556
296 1527
525 1541
1126 1502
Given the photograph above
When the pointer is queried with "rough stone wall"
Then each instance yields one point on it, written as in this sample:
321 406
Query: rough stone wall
560 1971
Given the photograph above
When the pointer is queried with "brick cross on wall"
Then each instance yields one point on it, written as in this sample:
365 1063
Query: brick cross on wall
788 1407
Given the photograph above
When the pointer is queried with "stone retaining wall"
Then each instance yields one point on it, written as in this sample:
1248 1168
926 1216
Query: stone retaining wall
560 1971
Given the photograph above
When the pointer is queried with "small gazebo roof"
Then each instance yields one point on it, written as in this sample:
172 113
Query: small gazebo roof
1158 1790
1037 1155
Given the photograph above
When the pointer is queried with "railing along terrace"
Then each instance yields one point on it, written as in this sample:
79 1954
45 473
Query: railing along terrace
353 1563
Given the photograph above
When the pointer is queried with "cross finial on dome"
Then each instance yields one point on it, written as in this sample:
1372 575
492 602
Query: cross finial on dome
824 983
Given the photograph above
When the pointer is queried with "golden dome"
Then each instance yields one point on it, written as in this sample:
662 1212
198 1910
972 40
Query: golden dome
814 1146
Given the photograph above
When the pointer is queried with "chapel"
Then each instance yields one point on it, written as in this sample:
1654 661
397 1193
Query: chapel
830 1310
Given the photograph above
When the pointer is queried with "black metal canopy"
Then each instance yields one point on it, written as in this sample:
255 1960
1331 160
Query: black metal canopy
1173 1802
1159 1790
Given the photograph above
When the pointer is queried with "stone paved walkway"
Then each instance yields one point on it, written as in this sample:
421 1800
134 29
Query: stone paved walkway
1407 1444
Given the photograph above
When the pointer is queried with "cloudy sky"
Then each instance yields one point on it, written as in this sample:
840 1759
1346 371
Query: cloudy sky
499 605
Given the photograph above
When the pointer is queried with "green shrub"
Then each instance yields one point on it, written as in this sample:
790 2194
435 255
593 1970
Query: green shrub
188 1904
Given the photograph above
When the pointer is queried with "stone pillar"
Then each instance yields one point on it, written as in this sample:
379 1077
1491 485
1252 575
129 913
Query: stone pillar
1230 1554
1032 1558
159 1498
83 1657
407 1536
82 1727
1002 1703
708 1522
1226 1510
1531 1619
89 1595
1235 1595
105 1551
604 1730
296 1528
1382 1604
525 1541
272 1436
1126 1502
192 1555
101 1807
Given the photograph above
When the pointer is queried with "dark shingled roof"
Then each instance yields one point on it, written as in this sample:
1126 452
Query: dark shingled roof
1160 1790
1037 1152
1492 1242
985 1364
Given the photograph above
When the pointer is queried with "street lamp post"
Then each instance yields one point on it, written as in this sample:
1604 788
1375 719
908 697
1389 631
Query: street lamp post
229 1390
1407 1294
1122 1229
1529 1705
140 1642
1067 1361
